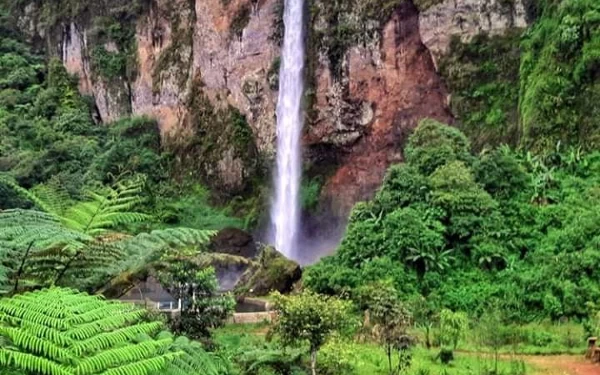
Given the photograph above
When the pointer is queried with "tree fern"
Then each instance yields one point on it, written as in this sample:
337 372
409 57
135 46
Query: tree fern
29 195
139 252
193 360
81 242
107 209
64 332
103 209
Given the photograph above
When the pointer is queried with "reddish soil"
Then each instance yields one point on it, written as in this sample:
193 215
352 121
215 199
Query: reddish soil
562 365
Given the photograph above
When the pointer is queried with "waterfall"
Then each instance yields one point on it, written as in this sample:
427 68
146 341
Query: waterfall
285 213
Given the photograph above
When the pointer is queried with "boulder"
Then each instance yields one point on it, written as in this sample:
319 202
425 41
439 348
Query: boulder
270 272
234 241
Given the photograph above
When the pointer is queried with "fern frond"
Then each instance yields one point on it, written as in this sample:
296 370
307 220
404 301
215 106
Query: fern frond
108 339
19 228
119 356
65 332
10 359
193 359
141 250
54 195
168 238
107 209
143 367
29 195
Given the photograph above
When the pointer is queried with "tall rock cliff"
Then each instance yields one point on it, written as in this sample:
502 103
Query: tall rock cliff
207 71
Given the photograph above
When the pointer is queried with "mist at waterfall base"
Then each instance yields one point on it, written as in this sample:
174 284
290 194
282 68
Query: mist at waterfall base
285 212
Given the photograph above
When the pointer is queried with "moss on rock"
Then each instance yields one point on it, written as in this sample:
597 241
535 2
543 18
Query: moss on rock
176 58
240 21
426 4
483 77
216 145
271 272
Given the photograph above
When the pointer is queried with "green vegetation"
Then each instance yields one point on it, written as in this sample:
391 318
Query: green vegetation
309 318
62 332
215 136
344 23
532 93
391 322
483 76
559 76
111 23
50 138
464 230
203 307
469 254
252 348
310 191
78 243
175 58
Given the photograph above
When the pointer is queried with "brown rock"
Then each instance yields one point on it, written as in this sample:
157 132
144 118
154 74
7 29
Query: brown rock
271 272
398 82
234 241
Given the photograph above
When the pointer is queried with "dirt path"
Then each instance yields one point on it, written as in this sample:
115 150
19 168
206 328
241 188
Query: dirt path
562 365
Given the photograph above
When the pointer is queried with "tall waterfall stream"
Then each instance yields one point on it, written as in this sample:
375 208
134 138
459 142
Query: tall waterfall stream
285 213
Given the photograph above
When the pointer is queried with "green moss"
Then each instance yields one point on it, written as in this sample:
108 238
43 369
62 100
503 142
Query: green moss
109 22
560 76
271 272
277 28
310 192
483 77
273 73
108 64
347 23
211 134
177 56
426 4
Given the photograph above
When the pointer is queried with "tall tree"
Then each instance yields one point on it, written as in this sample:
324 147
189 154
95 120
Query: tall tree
309 318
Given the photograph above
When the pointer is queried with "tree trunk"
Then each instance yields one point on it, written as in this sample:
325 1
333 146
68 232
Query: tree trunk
388 351
313 361
496 361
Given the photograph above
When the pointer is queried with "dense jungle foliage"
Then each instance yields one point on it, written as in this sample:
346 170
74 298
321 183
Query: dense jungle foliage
486 241
464 230
50 138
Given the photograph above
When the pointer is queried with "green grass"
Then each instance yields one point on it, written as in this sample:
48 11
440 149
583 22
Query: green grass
369 359
543 338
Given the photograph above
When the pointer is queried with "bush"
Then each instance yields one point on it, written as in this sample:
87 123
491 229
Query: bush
446 356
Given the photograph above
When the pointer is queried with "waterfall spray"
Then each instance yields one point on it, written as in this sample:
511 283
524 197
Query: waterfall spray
285 213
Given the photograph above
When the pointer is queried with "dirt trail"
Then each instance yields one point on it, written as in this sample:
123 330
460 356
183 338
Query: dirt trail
562 365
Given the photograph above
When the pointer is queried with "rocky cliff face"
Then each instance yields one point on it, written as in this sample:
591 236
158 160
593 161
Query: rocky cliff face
386 86
466 19
207 70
